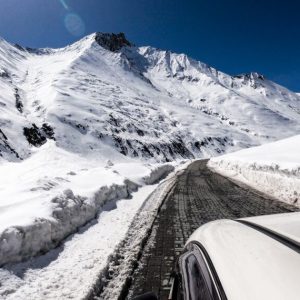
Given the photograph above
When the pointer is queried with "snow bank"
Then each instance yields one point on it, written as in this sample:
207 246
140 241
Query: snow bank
273 168
84 261
113 281
44 208
69 213
71 270
158 173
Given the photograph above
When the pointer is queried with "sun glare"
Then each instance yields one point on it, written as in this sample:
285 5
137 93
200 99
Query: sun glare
64 4
74 24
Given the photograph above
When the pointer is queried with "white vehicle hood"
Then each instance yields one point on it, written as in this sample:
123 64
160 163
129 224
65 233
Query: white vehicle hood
250 264
286 225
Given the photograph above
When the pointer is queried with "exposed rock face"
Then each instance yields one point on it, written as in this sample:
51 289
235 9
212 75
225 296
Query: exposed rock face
19 47
38 51
38 136
5 146
34 136
248 76
111 41
4 73
253 79
19 104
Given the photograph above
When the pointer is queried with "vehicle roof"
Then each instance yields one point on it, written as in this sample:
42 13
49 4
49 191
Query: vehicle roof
286 225
250 264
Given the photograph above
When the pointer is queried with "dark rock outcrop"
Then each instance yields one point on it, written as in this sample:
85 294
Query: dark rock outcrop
48 131
38 136
5 146
111 41
19 104
253 75
34 136
4 73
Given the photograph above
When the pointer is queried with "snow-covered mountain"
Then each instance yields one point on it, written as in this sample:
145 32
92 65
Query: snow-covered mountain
103 96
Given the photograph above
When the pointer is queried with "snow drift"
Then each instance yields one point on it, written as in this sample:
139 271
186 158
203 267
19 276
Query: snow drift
272 168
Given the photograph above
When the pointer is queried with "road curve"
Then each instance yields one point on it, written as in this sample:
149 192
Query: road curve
199 196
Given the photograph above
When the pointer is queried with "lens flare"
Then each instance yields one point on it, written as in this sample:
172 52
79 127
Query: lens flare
64 4
74 24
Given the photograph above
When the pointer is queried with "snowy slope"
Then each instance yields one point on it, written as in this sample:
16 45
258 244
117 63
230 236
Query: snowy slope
272 168
137 101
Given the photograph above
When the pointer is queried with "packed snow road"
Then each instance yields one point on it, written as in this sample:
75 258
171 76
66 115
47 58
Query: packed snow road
198 196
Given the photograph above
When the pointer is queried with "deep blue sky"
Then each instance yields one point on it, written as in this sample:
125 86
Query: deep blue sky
234 36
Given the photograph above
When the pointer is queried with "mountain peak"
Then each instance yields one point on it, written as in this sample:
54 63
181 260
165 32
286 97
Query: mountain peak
111 41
